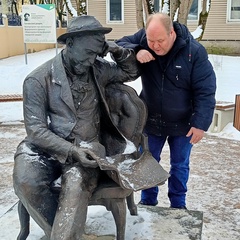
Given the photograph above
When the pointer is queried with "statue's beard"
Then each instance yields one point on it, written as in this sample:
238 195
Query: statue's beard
80 69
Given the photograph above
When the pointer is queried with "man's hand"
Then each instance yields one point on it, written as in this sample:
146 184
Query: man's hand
85 157
197 135
112 47
144 56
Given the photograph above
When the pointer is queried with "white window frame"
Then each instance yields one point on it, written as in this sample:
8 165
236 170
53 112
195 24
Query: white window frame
191 20
199 10
108 13
229 8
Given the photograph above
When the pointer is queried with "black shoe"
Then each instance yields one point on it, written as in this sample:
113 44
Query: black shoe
182 207
148 204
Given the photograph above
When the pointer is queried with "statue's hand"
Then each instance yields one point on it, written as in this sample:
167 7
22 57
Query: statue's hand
112 47
85 157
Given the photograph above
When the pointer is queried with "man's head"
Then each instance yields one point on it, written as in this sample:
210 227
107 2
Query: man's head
160 33
84 40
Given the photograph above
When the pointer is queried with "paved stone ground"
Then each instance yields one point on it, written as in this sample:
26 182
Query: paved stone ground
213 184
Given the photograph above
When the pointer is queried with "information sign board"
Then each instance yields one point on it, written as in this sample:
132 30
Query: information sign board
39 23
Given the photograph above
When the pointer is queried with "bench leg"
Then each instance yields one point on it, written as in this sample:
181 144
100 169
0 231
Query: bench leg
24 219
118 209
131 205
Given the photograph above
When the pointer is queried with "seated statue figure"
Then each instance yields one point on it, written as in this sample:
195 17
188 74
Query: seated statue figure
78 115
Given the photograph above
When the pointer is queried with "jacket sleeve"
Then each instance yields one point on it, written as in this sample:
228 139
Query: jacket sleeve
204 88
35 108
132 41
122 69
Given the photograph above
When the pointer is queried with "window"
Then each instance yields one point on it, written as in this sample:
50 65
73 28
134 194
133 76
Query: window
193 13
156 6
234 10
115 10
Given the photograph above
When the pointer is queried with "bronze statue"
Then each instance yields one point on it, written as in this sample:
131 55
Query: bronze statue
76 119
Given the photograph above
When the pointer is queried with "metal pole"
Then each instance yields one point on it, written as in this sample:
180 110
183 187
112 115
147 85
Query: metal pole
56 48
25 51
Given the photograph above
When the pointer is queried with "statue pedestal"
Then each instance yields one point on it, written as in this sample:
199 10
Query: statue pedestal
152 223
155 223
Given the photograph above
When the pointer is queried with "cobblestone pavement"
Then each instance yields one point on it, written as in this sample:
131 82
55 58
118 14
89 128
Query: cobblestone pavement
213 185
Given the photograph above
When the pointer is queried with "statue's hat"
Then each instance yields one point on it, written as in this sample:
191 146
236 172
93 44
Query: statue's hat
82 25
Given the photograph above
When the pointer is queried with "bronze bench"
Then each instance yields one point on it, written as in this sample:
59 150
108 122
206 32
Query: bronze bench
108 194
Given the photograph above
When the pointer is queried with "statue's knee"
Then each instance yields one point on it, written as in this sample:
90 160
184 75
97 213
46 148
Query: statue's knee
25 187
72 178
30 186
76 178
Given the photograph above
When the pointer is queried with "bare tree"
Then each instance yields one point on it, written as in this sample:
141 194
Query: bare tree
203 18
178 11
14 6
81 6
139 14
174 5
146 7
61 11
143 9
184 8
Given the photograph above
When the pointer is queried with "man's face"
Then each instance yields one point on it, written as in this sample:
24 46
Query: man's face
84 50
158 39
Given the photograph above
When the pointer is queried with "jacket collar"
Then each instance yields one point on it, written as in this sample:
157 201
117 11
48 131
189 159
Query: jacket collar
59 77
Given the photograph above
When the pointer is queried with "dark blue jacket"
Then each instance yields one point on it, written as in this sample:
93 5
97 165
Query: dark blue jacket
179 88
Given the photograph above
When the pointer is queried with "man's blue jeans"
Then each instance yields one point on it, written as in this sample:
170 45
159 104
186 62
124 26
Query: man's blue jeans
180 149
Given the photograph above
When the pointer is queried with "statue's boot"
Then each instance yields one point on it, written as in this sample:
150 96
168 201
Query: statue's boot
71 215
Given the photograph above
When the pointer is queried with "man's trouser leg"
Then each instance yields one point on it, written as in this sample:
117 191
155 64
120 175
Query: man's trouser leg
32 177
77 186
180 149
156 143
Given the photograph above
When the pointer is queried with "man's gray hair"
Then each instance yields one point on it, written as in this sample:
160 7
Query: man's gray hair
163 18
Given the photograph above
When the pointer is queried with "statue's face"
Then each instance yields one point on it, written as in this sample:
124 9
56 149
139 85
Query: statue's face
83 51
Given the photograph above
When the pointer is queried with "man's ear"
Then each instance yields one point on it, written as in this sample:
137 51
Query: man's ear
69 42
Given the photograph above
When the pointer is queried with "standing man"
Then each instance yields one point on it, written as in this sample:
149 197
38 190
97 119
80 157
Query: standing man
178 87
63 111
